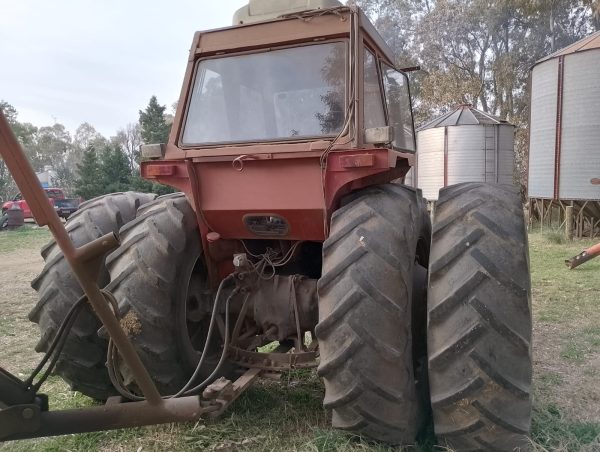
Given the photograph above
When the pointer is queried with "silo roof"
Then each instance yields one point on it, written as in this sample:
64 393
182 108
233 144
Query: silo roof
463 115
588 43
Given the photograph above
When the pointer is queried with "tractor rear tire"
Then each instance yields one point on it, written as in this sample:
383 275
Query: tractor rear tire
365 306
479 320
82 363
151 273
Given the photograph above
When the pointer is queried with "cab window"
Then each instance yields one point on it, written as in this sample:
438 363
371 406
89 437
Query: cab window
397 97
374 113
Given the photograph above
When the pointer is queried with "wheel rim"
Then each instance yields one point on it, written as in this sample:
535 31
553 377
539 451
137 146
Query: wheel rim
195 307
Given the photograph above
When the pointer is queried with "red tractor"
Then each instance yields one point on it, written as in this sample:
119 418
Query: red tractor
291 140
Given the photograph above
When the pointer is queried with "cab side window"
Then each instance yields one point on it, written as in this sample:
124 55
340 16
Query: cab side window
398 104
374 113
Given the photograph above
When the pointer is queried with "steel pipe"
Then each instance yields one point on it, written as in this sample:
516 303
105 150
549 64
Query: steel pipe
84 261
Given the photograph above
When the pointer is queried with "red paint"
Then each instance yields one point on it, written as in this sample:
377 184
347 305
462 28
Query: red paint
161 170
291 188
52 193
293 180
357 161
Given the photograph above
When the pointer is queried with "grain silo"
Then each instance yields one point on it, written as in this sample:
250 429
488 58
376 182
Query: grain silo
464 145
564 147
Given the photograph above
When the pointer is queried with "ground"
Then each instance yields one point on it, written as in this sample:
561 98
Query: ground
289 415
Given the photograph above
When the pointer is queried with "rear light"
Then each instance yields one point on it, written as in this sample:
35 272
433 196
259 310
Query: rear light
159 170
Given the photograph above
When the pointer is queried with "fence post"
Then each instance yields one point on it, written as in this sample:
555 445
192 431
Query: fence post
569 223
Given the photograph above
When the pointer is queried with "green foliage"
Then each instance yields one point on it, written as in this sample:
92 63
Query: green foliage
146 186
154 126
88 165
88 184
115 173
556 236
25 133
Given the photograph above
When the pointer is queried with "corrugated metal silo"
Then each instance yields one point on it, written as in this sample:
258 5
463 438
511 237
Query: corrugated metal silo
564 150
564 146
464 145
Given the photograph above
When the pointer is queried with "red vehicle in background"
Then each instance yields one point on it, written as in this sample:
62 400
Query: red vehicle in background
56 196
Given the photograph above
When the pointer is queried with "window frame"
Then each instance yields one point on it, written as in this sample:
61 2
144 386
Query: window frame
289 140
412 116
376 56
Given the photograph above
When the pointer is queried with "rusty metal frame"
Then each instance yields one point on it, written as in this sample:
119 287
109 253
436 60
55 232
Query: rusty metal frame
24 415
273 361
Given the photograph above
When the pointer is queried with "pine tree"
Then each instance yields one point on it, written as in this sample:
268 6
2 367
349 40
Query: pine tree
155 128
114 169
88 184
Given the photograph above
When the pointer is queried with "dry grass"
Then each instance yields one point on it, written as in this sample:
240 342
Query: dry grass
289 415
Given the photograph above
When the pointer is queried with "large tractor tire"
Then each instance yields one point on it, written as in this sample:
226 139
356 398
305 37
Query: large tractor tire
479 320
365 313
159 280
82 363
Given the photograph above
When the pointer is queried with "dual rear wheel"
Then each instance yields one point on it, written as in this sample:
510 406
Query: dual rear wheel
473 330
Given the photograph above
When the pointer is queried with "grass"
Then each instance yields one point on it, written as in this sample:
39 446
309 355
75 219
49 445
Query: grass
560 294
26 236
581 345
288 415
552 431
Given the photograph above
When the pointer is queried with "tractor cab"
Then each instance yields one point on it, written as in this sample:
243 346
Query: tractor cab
303 87
300 102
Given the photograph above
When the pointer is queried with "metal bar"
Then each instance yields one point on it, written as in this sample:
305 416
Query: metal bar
584 256
559 121
80 260
116 416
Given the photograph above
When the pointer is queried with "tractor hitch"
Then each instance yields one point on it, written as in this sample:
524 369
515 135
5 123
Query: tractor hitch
31 421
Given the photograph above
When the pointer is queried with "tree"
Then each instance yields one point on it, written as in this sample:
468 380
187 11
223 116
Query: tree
25 133
85 136
115 173
5 180
52 145
154 126
89 182
130 139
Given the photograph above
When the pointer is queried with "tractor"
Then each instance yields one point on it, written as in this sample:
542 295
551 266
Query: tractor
292 226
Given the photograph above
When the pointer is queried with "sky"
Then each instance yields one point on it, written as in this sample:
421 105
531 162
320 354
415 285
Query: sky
75 61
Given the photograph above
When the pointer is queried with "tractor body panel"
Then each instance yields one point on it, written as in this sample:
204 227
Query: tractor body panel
291 187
